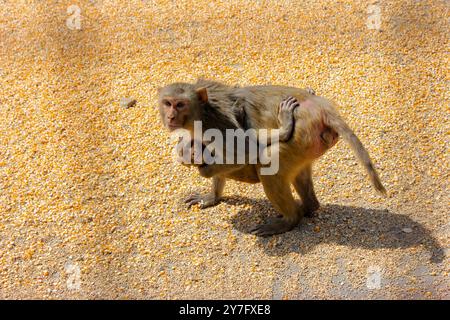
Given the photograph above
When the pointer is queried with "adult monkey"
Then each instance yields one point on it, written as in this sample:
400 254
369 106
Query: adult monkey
181 104
317 125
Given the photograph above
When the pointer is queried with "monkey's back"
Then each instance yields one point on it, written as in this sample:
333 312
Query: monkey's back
262 105
262 102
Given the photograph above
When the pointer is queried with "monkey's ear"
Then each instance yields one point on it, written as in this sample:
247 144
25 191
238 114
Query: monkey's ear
202 94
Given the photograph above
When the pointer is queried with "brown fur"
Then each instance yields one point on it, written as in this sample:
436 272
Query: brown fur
317 126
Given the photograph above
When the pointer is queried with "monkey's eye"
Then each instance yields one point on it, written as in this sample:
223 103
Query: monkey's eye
180 105
166 103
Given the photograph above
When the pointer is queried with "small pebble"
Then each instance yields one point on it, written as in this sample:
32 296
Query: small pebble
407 230
127 103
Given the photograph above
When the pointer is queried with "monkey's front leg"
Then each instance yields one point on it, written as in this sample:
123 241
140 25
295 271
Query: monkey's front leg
209 199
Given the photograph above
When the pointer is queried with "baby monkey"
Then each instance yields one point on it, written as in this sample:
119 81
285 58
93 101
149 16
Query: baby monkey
239 172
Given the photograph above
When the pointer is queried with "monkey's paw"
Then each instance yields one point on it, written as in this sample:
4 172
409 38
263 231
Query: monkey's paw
274 226
203 200
287 107
310 208
310 91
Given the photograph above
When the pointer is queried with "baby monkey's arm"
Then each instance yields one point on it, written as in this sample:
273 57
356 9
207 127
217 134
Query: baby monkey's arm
286 117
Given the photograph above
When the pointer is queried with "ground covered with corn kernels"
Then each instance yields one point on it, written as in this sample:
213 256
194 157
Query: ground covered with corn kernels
90 196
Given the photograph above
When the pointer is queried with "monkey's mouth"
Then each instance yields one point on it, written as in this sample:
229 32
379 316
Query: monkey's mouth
173 126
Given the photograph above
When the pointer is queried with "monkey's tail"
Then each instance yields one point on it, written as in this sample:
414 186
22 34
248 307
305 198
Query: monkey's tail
334 121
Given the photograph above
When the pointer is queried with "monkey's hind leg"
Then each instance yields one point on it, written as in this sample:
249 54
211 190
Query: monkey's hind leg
279 193
303 184
209 199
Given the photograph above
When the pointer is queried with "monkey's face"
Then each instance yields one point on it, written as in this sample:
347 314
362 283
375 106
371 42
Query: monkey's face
175 112
180 105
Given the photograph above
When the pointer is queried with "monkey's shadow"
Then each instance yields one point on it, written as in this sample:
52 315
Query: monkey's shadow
343 225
